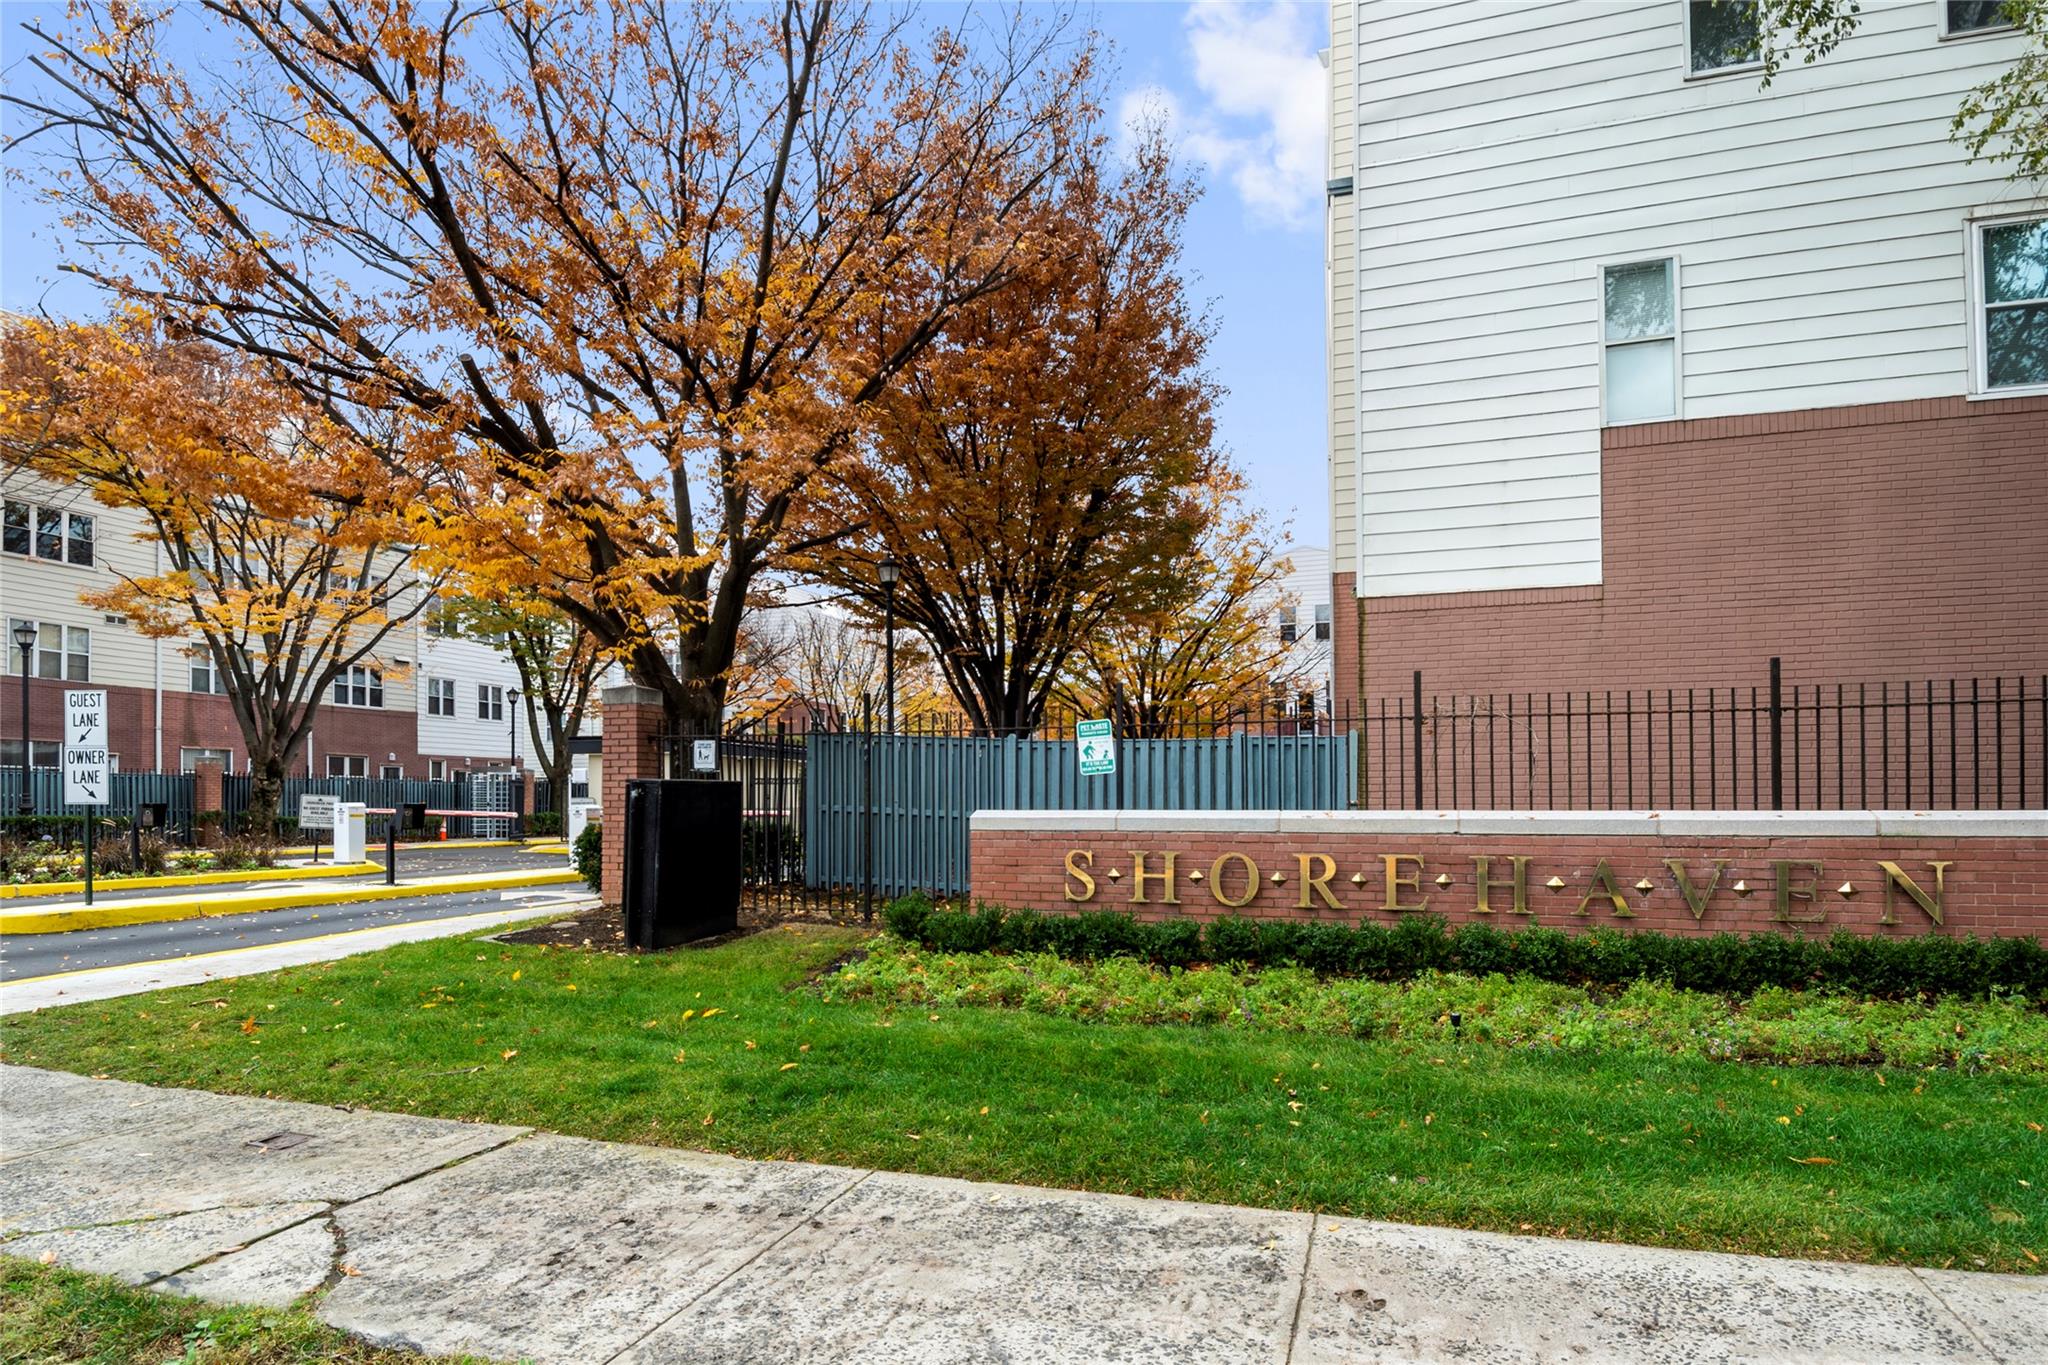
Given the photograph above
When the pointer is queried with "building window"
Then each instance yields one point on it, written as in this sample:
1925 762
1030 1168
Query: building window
1721 35
392 772
348 765
1640 341
1288 631
1975 16
437 770
46 532
189 759
63 652
2015 303
205 677
1322 620
490 702
42 753
440 696
359 686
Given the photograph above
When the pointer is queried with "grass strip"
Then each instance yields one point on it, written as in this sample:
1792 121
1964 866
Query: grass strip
48 1314
736 1048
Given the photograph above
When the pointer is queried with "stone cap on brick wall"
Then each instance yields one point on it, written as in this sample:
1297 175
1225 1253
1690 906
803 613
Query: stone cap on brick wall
1687 824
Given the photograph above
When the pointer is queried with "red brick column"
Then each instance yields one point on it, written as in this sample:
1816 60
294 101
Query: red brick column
526 784
632 720
206 787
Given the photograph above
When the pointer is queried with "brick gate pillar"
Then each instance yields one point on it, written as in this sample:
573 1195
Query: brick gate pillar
206 787
632 721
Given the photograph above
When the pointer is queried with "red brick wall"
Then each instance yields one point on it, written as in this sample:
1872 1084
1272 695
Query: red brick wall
1993 886
1879 542
632 720
198 720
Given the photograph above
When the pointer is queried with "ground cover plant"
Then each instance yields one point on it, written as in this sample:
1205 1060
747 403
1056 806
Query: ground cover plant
1881 968
754 1047
2004 1032
48 1314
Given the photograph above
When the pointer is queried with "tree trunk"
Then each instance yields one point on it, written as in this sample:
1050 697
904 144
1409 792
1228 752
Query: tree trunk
266 790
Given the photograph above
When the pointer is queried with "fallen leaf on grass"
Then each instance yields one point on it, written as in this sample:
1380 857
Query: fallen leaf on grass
2035 1126
508 1054
804 1047
2001 1214
984 1109
1814 1160
787 1066
1784 1118
249 1024
713 1010
516 974
750 1044
707 1120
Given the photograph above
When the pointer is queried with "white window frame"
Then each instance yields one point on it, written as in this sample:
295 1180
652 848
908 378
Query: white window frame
1714 72
1945 34
191 755
490 702
437 770
1980 341
1677 334
346 760
201 662
358 678
1323 620
441 697
63 653
65 518
391 772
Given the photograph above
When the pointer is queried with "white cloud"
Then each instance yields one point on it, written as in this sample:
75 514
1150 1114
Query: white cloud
1263 121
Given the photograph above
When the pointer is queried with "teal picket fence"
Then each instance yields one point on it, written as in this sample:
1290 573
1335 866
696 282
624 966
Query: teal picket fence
919 791
126 794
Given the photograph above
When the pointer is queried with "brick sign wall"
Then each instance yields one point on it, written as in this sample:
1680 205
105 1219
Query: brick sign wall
1698 872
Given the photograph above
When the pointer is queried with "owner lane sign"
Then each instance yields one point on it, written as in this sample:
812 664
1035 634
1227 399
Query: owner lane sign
1489 883
88 772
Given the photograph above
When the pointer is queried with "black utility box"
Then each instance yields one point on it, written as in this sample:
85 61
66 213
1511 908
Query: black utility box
682 862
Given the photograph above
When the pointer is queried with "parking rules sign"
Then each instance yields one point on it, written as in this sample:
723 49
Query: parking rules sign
1095 742
316 811
87 773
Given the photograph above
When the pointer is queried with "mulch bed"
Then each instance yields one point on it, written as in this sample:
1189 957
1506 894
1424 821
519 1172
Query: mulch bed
603 930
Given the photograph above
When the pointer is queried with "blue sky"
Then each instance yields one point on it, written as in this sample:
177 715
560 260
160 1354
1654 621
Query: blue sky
1243 92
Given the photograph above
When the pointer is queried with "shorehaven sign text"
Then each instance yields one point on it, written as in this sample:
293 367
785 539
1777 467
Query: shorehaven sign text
1696 872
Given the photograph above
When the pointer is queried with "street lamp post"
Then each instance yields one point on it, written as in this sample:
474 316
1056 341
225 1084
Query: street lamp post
25 641
518 801
889 572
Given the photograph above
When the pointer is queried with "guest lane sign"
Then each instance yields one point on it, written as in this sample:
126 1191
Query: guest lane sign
88 777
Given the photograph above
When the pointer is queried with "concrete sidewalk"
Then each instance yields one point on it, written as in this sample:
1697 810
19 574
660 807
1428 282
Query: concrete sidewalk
510 1243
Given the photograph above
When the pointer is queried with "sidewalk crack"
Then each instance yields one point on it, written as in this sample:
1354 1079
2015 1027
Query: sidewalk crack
795 1225
1308 1250
1961 1321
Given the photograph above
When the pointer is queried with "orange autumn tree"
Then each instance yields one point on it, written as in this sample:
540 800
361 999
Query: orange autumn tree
627 275
1038 472
1206 654
282 536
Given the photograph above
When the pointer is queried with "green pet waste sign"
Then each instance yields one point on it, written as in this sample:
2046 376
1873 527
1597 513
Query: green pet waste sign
1095 742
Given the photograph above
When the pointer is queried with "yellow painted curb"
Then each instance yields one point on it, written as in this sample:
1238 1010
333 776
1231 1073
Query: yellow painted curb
555 850
59 919
29 890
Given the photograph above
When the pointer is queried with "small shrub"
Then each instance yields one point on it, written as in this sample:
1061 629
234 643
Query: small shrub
544 822
587 853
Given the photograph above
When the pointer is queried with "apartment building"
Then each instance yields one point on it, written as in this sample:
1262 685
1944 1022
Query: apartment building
1305 625
1642 373
430 704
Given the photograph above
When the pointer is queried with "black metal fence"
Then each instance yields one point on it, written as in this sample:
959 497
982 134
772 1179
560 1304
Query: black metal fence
1950 744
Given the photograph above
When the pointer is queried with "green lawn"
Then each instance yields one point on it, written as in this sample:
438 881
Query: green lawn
48 1315
728 1049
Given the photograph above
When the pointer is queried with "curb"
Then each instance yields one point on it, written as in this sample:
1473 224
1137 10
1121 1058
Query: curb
115 914
35 890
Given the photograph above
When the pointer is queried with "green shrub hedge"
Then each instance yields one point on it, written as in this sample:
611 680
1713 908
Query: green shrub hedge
1729 964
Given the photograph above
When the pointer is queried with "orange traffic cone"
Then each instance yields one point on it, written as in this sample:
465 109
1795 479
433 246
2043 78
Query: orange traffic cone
444 834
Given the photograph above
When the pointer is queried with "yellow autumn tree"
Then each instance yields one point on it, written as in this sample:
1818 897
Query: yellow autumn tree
284 536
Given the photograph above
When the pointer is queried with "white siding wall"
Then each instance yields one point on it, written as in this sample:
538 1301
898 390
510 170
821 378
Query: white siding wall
1309 587
41 590
1341 252
1507 150
468 663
